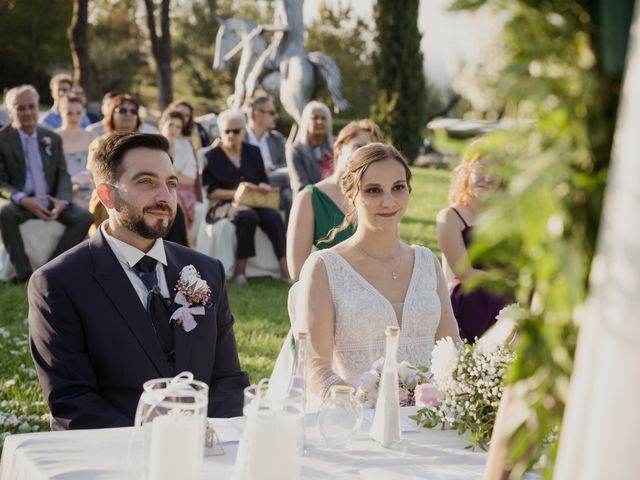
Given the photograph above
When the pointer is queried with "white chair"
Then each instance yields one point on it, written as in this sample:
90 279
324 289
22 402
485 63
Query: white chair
218 240
40 239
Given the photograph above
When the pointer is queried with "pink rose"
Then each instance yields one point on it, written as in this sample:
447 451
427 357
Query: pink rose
426 394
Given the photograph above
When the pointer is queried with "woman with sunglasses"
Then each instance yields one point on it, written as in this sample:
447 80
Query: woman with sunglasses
229 164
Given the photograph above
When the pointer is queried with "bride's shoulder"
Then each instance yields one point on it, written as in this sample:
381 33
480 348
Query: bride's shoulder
422 251
314 263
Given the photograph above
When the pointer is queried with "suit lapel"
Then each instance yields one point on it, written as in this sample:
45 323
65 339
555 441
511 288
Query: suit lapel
18 151
182 339
116 285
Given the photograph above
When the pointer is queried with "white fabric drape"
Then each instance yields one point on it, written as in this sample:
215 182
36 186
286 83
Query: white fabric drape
599 437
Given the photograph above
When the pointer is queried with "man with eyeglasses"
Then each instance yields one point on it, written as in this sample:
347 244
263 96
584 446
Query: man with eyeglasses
60 85
261 133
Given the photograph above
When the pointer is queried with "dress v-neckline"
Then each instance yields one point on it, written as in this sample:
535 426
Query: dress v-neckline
315 188
370 286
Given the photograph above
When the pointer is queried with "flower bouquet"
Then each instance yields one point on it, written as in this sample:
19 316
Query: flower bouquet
470 381
409 377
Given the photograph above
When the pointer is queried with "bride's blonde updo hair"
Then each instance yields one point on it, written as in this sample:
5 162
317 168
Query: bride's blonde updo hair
351 178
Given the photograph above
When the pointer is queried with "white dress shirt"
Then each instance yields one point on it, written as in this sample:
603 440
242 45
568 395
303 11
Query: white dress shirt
263 145
129 255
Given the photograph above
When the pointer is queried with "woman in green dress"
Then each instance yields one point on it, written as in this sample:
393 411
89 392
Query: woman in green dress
318 208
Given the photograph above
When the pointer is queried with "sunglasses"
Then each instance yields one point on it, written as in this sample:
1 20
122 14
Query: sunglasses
269 112
235 131
123 110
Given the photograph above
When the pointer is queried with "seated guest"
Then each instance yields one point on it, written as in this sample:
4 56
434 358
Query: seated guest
184 161
78 91
99 127
75 144
228 164
100 316
34 182
310 158
475 310
191 130
60 85
320 208
124 116
261 133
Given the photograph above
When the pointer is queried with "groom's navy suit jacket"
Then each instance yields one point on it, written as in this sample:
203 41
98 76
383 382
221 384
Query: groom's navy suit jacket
94 347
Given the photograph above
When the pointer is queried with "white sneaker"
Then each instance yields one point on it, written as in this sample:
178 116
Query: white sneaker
241 279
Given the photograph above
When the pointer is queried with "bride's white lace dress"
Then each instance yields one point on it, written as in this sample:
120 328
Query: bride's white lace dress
362 313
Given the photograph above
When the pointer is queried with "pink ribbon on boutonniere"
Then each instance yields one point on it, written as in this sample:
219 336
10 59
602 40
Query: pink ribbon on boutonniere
184 314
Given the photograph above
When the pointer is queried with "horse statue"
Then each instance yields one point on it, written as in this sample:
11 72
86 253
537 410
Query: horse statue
297 80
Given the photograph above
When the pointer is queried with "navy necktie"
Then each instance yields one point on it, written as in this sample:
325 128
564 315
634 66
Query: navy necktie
157 307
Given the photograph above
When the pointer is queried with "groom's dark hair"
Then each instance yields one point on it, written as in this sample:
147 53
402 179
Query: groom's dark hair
105 160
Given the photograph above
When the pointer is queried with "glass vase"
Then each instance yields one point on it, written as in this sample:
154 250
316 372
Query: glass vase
340 417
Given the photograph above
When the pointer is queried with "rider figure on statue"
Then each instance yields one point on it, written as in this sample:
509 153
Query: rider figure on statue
288 40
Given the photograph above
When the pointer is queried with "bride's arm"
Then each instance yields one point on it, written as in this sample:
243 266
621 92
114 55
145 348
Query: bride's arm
448 326
314 306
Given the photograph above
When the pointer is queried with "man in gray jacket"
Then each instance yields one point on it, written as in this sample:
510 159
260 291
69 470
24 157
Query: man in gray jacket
34 182
261 133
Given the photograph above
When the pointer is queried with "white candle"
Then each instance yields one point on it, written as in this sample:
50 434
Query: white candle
176 448
273 452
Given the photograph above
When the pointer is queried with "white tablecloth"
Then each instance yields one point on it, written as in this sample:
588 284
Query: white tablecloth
102 454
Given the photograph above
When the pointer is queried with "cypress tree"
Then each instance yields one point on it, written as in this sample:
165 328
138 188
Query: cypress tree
398 78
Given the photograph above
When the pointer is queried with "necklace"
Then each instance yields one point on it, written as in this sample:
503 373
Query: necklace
394 275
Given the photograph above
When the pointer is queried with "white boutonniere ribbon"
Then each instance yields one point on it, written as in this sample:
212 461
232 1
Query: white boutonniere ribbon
192 295
46 143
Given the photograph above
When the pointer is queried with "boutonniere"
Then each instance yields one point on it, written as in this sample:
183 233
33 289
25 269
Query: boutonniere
192 294
46 144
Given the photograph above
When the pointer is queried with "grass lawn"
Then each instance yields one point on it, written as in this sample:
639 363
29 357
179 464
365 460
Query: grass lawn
260 311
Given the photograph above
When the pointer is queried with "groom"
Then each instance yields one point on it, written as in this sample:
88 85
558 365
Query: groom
100 315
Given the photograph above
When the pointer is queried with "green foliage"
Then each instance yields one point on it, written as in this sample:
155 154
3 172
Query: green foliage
115 42
341 35
33 42
544 223
400 95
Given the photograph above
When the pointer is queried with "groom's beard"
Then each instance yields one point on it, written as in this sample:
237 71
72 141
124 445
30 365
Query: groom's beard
131 220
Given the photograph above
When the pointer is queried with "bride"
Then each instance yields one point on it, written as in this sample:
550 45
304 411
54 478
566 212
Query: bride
350 293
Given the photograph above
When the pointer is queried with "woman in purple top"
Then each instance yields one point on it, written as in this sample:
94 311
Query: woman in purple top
475 310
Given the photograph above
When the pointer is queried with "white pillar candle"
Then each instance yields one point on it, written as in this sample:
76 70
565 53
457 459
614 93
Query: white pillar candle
176 448
273 452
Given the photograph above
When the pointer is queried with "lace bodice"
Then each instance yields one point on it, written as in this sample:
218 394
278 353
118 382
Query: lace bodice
362 313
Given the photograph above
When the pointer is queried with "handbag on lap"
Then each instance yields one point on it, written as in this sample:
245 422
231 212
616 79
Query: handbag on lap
255 198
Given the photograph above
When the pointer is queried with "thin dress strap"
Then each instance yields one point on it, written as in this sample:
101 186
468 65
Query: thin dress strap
460 216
